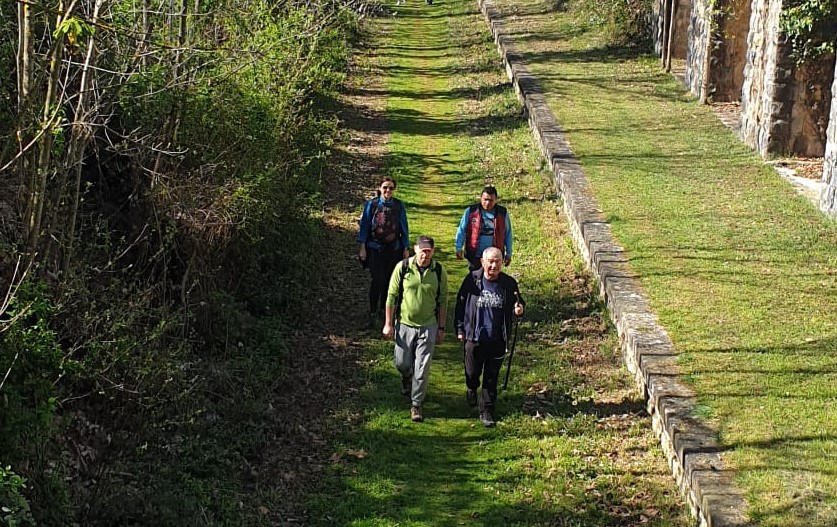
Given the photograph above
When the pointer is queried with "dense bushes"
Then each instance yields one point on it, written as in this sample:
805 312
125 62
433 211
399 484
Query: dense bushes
810 26
623 23
153 323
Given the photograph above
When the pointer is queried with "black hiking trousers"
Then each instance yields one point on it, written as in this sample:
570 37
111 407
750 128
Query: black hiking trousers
484 359
381 264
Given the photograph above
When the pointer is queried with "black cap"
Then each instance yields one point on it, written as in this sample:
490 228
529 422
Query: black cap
425 242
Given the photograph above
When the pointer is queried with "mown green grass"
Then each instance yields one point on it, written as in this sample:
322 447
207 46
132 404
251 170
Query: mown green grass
573 445
741 270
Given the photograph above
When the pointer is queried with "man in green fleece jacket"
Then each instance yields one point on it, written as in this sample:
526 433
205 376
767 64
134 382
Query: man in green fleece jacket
415 316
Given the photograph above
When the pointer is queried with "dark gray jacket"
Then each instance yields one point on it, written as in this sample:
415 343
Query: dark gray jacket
465 314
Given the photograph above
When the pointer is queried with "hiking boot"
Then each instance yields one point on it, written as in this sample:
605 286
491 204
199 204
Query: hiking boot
471 397
415 414
406 385
487 419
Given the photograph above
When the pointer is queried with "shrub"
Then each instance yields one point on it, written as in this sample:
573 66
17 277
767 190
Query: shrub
810 25
14 509
623 23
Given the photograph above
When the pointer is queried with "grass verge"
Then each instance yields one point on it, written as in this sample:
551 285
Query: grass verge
741 270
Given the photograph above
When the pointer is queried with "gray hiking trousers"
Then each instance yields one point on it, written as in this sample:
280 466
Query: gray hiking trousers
413 351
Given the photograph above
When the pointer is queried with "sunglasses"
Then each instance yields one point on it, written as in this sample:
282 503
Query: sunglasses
387 187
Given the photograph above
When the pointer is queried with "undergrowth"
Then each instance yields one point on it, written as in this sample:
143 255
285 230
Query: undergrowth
135 380
623 23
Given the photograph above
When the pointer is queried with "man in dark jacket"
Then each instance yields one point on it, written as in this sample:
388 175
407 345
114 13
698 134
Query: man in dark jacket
486 304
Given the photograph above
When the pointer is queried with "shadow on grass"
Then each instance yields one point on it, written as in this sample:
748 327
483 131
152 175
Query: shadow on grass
415 472
456 93
561 36
415 123
533 9
412 123
423 70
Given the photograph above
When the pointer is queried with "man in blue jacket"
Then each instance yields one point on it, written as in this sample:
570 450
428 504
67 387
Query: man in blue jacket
484 224
486 304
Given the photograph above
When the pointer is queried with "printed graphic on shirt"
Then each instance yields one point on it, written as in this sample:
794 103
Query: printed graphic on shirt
487 227
490 299
490 312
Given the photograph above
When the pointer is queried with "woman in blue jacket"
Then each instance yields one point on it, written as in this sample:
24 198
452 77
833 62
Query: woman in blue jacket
384 241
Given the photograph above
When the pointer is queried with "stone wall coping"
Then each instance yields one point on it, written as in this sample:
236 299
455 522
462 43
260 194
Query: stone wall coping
694 454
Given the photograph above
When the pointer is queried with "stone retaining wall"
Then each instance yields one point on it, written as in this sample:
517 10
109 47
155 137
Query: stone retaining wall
728 50
828 199
679 43
717 52
810 105
696 55
784 108
694 455
763 80
736 52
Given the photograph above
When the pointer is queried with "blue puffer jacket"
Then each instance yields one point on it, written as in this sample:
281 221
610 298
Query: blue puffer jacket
365 223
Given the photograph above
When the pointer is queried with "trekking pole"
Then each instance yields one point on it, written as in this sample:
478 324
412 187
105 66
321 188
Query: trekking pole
511 353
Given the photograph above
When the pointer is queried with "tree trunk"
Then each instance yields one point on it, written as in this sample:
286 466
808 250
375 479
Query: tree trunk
50 117
80 136
25 72
664 32
670 35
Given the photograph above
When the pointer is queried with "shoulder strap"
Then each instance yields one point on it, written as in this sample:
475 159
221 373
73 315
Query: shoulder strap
396 217
405 268
372 208
438 285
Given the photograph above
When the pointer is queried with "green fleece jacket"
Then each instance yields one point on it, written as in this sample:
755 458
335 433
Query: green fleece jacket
418 305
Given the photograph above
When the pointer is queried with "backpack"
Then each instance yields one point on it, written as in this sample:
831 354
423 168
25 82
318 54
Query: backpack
405 268
385 221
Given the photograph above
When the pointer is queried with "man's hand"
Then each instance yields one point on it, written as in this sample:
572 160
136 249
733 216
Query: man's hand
460 255
507 261
518 309
388 330
461 337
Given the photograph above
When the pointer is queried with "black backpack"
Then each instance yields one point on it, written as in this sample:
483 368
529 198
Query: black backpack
385 221
405 268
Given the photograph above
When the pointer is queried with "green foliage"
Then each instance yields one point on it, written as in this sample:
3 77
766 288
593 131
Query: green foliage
811 26
256 128
8 28
74 30
622 23
143 373
33 359
14 508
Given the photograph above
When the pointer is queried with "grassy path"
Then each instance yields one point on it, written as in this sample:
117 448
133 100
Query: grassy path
573 445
